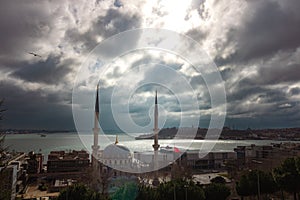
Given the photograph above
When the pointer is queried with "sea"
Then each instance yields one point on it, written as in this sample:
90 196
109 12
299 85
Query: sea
44 143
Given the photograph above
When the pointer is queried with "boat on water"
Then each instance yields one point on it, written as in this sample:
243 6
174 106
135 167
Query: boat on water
43 135
145 136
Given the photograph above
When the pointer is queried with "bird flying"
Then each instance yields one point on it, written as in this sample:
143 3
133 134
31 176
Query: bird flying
34 54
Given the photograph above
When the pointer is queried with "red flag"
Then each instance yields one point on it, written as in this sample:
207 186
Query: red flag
176 150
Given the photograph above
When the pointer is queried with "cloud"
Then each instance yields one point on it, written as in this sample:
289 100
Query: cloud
267 28
114 21
38 109
50 71
278 74
254 43
295 91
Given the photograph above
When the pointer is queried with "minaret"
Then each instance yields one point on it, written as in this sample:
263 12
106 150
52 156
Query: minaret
96 130
117 141
155 145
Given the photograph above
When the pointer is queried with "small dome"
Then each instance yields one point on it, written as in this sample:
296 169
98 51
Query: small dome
116 151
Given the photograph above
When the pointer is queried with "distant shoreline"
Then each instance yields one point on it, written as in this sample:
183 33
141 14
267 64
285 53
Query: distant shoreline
279 134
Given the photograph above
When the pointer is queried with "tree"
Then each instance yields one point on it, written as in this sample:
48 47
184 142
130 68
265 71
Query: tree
267 183
218 179
2 136
1 110
288 177
127 192
146 193
216 191
248 183
78 192
243 186
175 189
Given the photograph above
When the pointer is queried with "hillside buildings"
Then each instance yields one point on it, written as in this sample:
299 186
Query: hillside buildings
61 161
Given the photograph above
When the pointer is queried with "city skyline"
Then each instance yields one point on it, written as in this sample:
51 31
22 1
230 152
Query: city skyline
255 46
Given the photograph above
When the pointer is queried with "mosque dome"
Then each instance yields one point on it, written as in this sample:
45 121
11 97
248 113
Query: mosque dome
116 151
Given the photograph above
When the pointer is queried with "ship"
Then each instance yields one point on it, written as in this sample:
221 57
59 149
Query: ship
145 136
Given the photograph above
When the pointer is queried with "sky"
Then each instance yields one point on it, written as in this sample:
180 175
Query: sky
254 44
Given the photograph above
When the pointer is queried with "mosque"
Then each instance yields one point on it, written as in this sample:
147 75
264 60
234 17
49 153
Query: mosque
116 160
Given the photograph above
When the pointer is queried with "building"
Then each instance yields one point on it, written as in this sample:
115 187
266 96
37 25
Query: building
8 182
61 161
59 185
211 160
34 163
265 157
12 175
116 156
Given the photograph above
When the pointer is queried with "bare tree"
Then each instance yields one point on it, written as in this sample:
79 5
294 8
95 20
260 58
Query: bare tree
2 136
1 109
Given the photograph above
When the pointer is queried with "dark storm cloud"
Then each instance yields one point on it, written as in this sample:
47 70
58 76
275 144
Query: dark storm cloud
262 99
20 23
248 87
267 38
31 25
26 26
243 92
50 71
276 74
295 91
268 27
251 101
38 109
262 116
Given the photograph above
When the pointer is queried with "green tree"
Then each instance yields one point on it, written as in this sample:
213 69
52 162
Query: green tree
288 177
216 191
183 189
175 189
218 179
243 186
146 193
252 182
267 183
78 192
127 192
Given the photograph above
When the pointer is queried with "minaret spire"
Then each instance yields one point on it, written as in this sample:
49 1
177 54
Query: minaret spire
155 145
117 141
155 129
95 146
96 129
97 101
155 97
